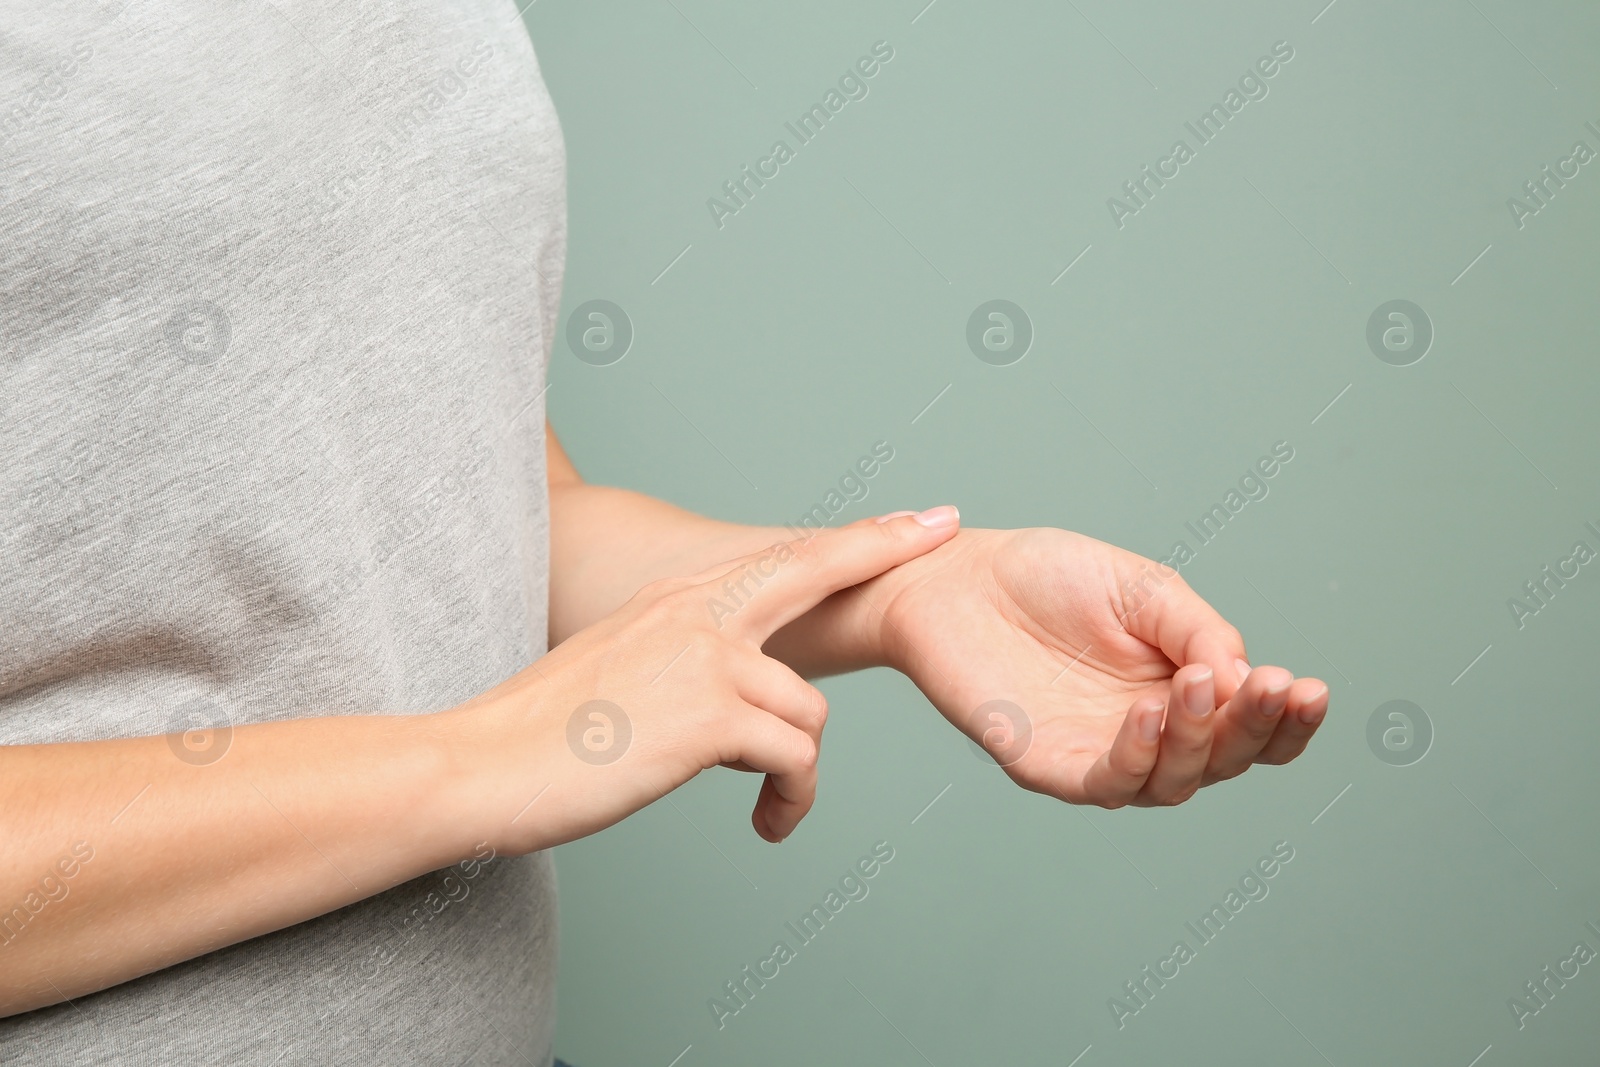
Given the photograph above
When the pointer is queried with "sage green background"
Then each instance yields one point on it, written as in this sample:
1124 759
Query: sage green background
1225 316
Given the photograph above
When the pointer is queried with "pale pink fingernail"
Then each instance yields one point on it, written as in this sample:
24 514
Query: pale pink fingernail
1197 700
1150 724
1244 669
893 515
944 515
1310 712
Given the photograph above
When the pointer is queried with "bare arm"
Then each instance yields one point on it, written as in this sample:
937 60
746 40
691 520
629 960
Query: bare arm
170 859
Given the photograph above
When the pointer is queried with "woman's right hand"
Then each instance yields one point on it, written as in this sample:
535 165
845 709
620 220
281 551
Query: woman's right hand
673 682
293 818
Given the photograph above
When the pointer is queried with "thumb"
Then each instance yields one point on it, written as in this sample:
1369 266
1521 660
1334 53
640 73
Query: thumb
1167 613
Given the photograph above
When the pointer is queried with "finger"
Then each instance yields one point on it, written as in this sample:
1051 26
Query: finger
1247 722
764 816
776 689
764 590
1165 612
722 568
1185 738
789 757
870 519
1308 704
1118 775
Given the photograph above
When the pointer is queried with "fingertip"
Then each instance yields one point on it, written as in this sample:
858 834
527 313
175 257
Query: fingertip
1275 683
1149 724
780 823
783 814
909 534
1276 679
1218 650
943 517
933 524
1225 678
771 817
1197 687
787 823
1121 771
758 820
1312 702
1138 739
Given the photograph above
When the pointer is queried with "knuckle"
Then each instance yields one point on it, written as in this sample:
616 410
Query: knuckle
1260 729
815 708
660 588
659 612
1178 796
1138 765
892 532
665 598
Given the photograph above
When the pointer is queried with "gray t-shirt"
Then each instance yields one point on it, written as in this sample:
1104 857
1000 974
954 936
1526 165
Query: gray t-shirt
278 281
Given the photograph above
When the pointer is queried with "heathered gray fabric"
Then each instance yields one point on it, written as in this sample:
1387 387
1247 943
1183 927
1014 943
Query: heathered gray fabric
277 288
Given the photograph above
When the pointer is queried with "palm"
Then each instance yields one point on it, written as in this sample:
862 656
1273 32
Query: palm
1068 629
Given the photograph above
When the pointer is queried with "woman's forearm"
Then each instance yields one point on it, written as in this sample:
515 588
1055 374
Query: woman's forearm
121 857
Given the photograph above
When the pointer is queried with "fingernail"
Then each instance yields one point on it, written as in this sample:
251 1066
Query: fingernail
1275 697
1150 724
1196 701
939 517
1310 713
893 515
1244 669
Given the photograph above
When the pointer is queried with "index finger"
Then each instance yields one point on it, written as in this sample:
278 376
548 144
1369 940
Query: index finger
763 591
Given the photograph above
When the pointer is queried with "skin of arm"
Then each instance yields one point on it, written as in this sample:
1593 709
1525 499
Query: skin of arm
185 859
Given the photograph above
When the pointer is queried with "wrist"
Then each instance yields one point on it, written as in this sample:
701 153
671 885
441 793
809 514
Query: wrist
874 623
843 633
492 765
857 627
895 601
